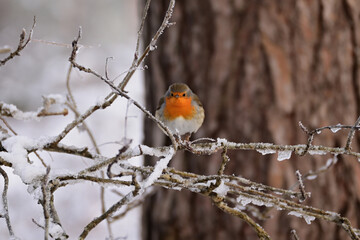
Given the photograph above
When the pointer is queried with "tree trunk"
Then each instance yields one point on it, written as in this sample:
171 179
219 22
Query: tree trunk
259 67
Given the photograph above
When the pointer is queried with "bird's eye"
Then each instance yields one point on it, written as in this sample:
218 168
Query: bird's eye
172 94
184 94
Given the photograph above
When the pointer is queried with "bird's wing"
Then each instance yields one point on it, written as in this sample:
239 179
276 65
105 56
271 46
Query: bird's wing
197 100
161 102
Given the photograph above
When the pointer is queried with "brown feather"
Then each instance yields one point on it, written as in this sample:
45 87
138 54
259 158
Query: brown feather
179 87
161 102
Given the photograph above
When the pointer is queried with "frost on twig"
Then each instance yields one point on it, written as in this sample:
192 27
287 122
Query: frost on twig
301 186
234 195
294 235
53 104
334 129
223 189
4 212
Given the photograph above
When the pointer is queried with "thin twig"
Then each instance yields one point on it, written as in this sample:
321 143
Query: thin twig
71 96
351 135
141 28
225 160
294 235
131 206
22 44
249 191
41 160
125 200
152 45
103 208
13 131
258 229
8 125
107 102
46 202
106 67
111 97
5 202
92 138
334 129
313 174
301 186
10 110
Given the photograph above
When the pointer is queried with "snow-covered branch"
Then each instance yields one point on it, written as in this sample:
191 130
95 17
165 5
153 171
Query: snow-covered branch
234 195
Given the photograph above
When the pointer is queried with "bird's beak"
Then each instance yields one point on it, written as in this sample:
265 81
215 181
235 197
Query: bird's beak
177 96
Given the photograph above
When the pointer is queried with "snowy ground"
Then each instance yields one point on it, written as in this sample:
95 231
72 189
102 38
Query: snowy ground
109 30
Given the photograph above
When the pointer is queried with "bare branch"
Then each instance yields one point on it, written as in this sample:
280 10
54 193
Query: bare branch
125 200
334 129
46 202
232 194
152 45
351 134
8 125
5 203
301 186
22 44
294 235
141 28
108 101
10 110
106 67
258 229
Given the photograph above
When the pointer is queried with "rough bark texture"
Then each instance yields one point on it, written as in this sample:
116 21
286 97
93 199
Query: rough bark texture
259 68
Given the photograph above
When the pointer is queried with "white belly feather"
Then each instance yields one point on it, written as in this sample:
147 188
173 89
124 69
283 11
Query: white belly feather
181 125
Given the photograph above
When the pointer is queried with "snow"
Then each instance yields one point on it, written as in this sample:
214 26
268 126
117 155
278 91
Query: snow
17 114
158 169
221 141
317 152
334 130
334 215
308 219
152 151
17 155
57 98
283 155
222 189
244 200
198 186
311 177
41 71
152 47
266 151
56 231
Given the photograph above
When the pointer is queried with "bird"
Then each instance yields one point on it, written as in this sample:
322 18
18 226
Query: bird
181 110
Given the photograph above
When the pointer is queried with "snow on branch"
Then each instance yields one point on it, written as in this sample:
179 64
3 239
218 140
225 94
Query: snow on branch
234 195
53 104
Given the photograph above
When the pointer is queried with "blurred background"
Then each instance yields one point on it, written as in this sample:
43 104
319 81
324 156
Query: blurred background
259 68
109 29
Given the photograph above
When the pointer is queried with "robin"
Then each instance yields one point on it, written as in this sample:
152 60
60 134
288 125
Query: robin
181 110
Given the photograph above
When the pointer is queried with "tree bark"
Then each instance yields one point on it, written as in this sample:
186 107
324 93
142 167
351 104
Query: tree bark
259 67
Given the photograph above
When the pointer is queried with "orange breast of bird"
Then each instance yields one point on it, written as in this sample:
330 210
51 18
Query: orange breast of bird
177 107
